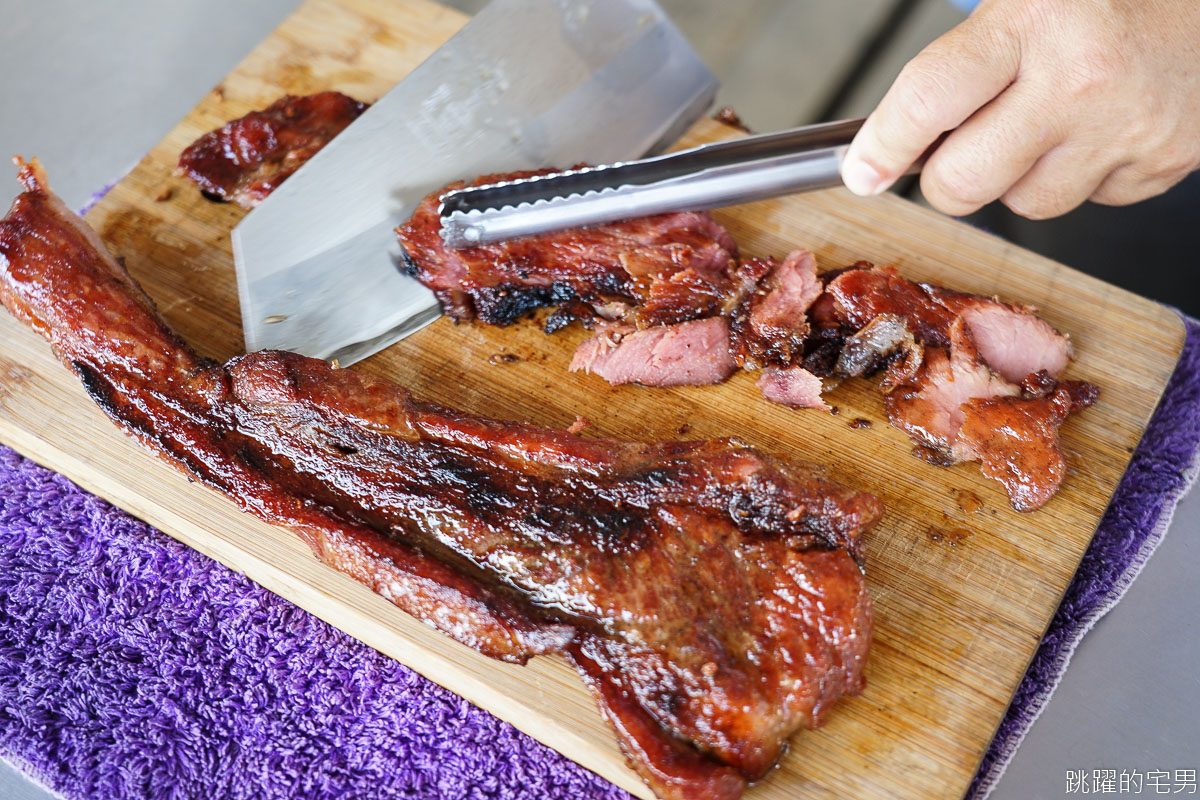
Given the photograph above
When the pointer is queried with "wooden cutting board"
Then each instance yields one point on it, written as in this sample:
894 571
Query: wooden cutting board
962 595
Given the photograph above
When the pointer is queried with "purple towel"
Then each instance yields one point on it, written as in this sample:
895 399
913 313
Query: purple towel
134 667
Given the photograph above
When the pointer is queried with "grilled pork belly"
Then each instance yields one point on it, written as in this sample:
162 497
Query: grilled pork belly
710 595
246 159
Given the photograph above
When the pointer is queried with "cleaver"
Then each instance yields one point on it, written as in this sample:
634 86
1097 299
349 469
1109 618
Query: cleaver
525 84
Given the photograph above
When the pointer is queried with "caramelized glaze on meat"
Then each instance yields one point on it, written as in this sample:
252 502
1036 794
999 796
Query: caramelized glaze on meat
957 409
679 264
709 595
246 159
1010 338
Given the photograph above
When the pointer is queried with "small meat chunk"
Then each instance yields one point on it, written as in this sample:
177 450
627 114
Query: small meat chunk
772 325
792 386
694 353
887 342
1015 441
244 160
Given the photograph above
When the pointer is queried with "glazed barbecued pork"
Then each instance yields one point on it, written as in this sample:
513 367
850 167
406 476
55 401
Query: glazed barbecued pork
967 377
710 595
654 270
677 310
246 159
956 408
671 302
1010 338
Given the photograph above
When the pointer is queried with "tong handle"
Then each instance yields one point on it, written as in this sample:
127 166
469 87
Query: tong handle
796 143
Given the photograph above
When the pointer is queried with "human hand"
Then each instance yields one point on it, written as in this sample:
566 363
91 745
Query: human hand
1050 103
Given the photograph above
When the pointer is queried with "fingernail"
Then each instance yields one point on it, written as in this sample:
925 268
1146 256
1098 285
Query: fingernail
861 178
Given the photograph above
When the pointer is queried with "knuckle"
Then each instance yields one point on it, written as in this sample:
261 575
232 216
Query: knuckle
922 94
1038 203
958 181
1130 185
1093 73
1121 193
1175 159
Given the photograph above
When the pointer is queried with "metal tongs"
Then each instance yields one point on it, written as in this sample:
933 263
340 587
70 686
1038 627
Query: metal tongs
708 176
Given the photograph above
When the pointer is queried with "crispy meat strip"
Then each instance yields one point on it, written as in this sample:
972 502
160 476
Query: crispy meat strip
245 160
710 595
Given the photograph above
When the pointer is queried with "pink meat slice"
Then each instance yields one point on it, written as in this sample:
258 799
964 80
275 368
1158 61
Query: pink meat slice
694 353
792 386
1010 338
1016 343
930 410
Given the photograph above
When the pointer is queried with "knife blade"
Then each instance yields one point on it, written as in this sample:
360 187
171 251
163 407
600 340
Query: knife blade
524 84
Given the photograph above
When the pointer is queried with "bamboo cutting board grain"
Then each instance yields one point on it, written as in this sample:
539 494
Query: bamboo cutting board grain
962 594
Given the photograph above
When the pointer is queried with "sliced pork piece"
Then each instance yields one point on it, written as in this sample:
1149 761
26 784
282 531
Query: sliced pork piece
957 409
709 594
792 386
929 409
1010 338
623 262
1015 441
694 353
246 159
1014 342
772 324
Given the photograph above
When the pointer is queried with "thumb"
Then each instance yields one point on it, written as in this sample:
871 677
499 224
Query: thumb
935 92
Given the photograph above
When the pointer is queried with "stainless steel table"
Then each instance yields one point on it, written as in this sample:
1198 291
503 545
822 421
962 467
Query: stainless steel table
90 87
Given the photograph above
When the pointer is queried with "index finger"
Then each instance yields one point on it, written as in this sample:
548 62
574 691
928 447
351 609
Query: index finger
937 91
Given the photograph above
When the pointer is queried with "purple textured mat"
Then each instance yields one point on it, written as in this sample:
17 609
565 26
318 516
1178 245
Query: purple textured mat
132 666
